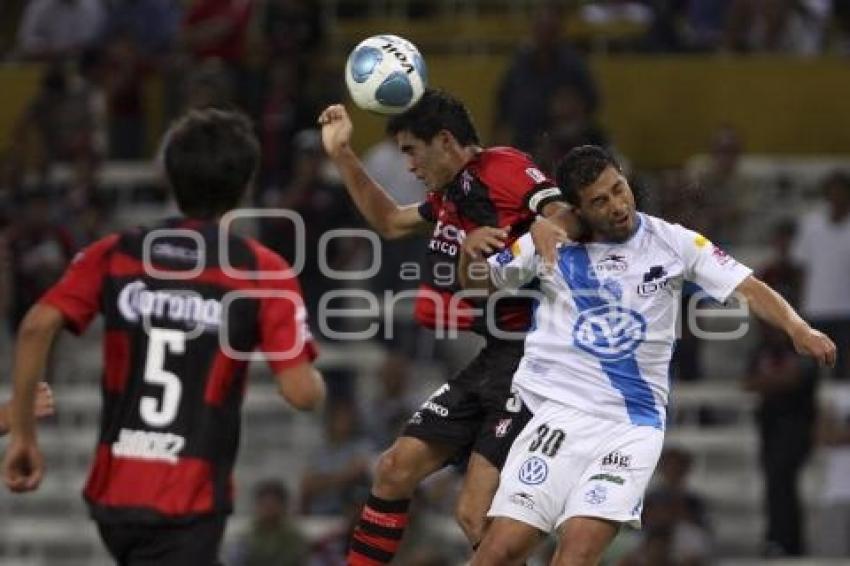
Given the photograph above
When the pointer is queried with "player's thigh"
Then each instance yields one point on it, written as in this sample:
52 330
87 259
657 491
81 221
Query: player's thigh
507 542
539 473
583 540
451 416
620 461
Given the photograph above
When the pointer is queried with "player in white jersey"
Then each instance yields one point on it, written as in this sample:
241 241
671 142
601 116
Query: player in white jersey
596 364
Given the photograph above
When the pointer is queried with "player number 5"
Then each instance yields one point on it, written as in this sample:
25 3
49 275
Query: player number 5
156 412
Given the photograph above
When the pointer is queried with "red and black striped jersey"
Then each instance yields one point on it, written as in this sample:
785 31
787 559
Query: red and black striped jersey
500 187
184 306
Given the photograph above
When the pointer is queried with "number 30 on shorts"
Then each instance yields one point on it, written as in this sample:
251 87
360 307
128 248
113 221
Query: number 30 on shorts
548 440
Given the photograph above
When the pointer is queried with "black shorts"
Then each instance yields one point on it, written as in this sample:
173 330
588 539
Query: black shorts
133 544
476 410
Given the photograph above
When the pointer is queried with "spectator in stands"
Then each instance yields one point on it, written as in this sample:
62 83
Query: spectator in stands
217 29
394 405
705 23
667 537
65 122
786 385
282 115
536 71
273 539
340 471
39 249
778 26
716 189
322 206
832 533
151 25
208 85
52 30
570 125
822 248
292 28
674 468
127 70
782 273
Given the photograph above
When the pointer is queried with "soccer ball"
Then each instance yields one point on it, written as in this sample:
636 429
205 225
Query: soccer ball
385 74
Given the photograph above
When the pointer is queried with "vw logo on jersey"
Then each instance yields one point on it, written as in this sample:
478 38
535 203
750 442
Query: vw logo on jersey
533 471
609 332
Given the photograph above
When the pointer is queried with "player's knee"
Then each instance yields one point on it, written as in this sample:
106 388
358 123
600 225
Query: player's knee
576 554
394 474
496 553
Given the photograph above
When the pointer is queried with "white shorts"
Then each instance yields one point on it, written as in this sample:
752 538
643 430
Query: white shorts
566 463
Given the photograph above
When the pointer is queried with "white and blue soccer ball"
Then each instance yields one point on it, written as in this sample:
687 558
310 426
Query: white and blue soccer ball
385 74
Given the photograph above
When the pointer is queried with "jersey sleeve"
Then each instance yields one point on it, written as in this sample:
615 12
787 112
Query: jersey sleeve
429 209
77 294
709 266
514 266
285 336
518 184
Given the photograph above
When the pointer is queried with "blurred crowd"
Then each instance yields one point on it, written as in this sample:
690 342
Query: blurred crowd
266 57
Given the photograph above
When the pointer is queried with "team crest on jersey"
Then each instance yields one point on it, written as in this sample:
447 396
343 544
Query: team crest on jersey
533 471
597 495
609 332
655 280
466 182
502 428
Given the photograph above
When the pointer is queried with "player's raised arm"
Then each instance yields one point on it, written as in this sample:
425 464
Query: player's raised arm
384 215
769 306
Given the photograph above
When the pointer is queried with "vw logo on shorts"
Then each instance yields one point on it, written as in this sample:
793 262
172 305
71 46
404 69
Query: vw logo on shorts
609 332
533 471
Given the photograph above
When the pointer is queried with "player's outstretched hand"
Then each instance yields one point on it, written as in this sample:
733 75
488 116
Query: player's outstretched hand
44 405
23 465
547 237
336 129
814 343
483 241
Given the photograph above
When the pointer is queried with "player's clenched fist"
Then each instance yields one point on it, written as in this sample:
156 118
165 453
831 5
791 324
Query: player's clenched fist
814 343
336 129
23 465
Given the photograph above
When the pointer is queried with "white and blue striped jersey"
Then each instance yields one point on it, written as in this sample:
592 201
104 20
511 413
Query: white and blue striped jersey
605 325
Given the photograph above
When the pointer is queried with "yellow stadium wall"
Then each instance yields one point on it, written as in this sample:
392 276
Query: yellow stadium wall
658 111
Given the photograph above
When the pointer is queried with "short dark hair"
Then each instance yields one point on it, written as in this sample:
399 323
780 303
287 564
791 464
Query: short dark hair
580 168
210 157
271 488
436 111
